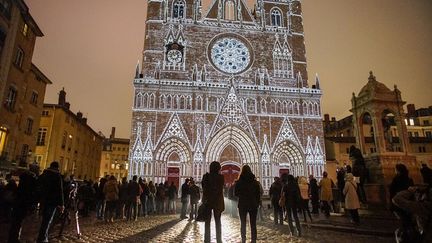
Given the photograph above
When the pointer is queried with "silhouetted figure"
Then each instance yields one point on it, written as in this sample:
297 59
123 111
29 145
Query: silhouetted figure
100 199
426 173
314 194
359 170
172 195
247 189
134 192
52 198
184 198
123 198
275 193
400 182
151 198
293 202
194 198
26 201
212 185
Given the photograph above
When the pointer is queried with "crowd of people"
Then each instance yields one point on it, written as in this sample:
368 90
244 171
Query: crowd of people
53 195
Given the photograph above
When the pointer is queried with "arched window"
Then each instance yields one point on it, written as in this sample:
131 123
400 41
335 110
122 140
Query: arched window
178 9
229 10
276 17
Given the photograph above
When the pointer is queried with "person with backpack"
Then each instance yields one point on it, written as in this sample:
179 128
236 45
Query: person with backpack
26 201
50 185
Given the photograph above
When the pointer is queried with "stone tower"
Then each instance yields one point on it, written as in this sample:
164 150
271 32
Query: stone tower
378 116
226 84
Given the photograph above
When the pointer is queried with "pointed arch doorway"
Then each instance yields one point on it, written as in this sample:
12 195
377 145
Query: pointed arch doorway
230 163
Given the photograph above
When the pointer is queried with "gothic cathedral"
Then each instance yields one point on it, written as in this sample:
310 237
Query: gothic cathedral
227 84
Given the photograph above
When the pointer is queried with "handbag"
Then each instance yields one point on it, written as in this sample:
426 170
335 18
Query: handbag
204 213
282 200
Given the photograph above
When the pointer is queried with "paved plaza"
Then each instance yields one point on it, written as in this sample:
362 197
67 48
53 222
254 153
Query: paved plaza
169 228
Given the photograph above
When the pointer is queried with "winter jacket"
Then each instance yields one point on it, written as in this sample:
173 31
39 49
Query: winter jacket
275 192
212 185
326 189
350 192
134 191
184 191
50 185
291 191
111 191
172 192
247 189
123 192
194 194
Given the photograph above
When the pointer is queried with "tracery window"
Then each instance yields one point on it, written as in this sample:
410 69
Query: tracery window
229 10
276 17
178 9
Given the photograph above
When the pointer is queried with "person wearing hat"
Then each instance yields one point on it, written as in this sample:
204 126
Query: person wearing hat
50 185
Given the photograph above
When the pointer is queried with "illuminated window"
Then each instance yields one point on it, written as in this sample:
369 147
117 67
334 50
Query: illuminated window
178 9
25 30
276 17
3 134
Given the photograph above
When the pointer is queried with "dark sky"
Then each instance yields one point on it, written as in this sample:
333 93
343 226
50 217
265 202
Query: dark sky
91 48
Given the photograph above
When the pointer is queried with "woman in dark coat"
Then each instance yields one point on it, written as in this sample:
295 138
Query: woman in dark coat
212 185
247 189
293 201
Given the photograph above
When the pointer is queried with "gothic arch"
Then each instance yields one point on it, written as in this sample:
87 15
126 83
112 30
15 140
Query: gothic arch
178 9
276 17
170 145
294 154
239 139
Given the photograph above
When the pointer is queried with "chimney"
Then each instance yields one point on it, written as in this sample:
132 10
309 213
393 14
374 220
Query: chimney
67 105
84 120
79 115
326 118
411 110
62 97
112 136
333 119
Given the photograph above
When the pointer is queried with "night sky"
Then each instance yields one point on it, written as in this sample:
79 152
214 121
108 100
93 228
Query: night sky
91 48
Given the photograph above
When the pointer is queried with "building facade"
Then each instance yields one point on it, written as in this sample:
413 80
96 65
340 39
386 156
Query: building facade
227 84
383 131
22 84
114 159
66 137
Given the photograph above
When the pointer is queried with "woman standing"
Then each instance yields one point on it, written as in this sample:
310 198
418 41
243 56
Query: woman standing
326 193
352 203
212 185
247 189
304 192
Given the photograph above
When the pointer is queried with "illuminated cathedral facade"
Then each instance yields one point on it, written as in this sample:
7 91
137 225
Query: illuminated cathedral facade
227 84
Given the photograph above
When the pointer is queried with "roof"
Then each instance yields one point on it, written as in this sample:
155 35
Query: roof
28 18
40 74
74 116
373 86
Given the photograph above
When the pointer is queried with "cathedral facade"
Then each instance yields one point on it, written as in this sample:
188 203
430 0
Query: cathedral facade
227 84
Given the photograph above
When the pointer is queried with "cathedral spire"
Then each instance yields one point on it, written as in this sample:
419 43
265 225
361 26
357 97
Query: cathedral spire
317 81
